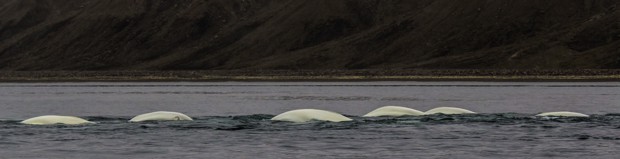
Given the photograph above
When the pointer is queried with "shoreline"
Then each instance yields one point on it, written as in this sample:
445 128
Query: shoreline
314 75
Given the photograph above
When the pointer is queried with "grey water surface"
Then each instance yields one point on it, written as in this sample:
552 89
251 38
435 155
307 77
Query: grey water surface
232 120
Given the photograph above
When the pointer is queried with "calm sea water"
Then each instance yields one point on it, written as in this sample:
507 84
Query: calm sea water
232 120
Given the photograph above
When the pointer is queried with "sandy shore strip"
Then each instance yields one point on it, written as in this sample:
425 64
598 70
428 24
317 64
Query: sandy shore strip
312 75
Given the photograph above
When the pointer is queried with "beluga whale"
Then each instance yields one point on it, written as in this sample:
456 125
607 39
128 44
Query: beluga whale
160 116
56 119
562 114
305 115
394 111
448 110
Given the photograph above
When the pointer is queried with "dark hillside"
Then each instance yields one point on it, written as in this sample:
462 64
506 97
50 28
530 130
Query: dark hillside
308 34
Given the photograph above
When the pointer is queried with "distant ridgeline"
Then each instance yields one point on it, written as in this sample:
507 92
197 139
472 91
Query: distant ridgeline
308 34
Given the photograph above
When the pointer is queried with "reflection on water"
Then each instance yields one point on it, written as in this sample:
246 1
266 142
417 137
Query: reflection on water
325 98
146 93
22 100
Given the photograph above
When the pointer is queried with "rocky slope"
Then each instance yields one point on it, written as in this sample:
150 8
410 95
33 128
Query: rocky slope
308 34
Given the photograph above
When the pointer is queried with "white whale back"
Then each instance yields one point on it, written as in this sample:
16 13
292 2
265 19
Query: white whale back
393 111
160 116
448 110
305 115
55 119
563 114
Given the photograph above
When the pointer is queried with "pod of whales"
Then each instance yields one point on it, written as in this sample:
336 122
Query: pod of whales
160 116
448 110
394 111
305 115
55 119
563 114
298 116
